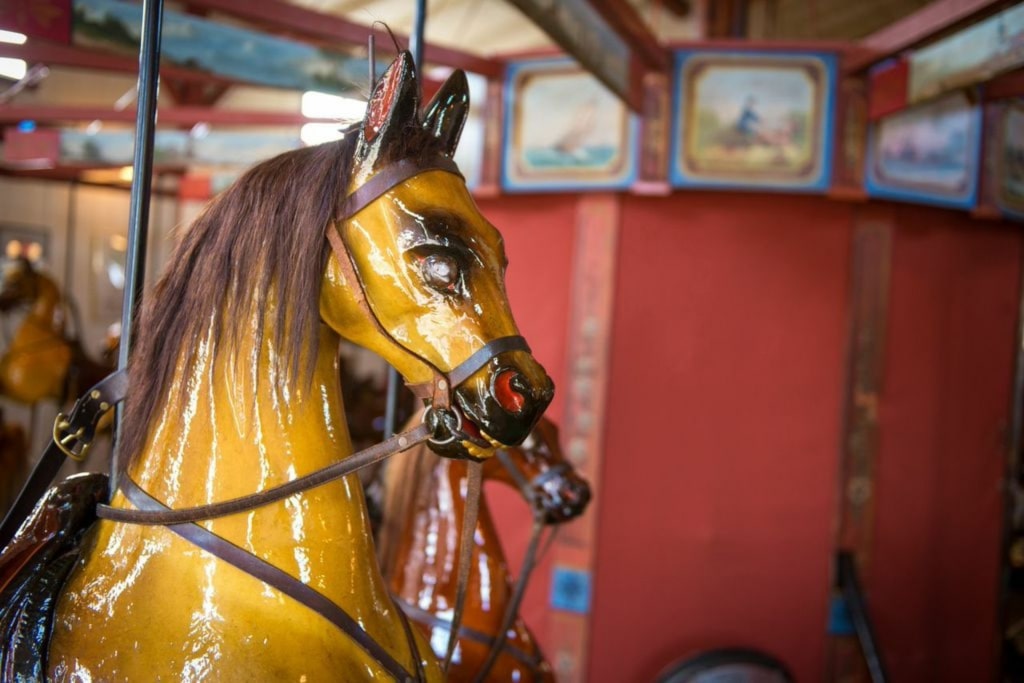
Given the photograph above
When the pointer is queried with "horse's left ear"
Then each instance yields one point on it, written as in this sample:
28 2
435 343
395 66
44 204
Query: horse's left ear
393 106
446 113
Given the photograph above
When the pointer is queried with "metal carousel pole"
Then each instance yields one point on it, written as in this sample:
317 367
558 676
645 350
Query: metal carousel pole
416 48
142 181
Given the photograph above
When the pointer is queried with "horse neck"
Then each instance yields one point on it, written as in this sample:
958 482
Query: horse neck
422 555
45 315
233 431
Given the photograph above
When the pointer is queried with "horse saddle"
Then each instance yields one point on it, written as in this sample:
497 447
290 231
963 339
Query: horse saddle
34 567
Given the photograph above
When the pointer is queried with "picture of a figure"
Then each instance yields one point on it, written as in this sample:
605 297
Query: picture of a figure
752 121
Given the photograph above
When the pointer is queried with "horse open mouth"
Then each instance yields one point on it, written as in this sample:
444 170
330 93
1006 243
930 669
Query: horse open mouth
480 444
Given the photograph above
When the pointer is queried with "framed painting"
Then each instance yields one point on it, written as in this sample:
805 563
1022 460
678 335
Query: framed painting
928 154
758 120
1008 159
564 131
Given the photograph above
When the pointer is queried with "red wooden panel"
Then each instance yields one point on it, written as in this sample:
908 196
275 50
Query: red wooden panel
887 88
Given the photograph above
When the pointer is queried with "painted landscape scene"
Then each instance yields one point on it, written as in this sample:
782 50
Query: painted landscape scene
567 127
932 148
751 123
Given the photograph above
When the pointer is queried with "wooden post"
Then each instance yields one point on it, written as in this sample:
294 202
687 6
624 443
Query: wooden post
593 290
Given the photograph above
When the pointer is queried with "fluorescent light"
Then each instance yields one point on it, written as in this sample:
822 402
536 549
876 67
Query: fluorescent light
319 133
12 37
14 69
319 105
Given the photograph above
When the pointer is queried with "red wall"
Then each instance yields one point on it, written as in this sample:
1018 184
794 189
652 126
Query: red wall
944 409
718 487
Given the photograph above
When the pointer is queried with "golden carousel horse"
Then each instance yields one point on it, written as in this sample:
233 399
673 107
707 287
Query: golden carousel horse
42 361
424 501
234 389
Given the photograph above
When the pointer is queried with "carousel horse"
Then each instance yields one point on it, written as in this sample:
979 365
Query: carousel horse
42 360
424 503
234 389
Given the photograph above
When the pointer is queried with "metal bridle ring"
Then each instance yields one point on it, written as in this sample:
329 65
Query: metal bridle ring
456 432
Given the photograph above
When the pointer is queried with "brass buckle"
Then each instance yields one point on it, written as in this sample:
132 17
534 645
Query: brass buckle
67 442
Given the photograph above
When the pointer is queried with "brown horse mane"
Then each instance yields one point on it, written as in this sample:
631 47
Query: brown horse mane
260 240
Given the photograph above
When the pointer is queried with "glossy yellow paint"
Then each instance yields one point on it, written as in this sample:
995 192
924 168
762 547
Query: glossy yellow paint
36 362
146 605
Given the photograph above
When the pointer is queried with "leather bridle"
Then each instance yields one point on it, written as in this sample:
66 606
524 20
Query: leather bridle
445 417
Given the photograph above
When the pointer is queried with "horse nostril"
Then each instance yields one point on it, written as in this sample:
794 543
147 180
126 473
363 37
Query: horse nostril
509 389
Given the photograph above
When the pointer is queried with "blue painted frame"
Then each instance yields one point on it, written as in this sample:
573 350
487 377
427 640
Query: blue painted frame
554 184
679 177
878 188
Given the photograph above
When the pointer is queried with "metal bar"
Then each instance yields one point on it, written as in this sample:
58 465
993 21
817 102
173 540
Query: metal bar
142 181
69 242
416 43
416 46
857 605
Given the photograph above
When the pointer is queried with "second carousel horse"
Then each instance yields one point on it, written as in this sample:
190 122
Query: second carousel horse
419 543
42 362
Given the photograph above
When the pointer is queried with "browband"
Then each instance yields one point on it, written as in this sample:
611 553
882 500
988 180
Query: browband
390 176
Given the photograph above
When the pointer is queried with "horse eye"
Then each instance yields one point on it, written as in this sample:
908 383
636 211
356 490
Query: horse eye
441 271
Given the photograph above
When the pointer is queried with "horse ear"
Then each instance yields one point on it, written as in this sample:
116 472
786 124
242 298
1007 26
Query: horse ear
392 106
446 113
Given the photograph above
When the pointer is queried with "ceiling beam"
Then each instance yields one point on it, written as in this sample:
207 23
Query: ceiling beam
285 19
54 54
176 116
928 22
635 31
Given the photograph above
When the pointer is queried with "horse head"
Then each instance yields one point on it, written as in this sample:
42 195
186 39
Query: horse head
429 292
19 284
539 469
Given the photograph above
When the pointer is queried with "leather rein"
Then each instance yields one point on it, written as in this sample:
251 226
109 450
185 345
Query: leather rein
441 416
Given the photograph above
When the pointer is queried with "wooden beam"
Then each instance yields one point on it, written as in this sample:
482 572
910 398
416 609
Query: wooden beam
928 22
53 54
621 15
285 19
1004 86
187 116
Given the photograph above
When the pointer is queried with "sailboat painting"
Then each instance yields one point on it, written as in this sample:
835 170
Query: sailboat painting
564 130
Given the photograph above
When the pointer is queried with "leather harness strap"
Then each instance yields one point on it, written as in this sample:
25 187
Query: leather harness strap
389 177
368 456
424 617
79 429
244 560
470 514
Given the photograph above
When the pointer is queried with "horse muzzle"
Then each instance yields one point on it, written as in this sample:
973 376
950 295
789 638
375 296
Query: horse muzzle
564 500
498 406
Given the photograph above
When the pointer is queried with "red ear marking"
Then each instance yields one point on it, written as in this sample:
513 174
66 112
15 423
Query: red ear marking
379 106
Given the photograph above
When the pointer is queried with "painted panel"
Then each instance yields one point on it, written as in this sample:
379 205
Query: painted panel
753 120
927 154
219 49
565 131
